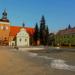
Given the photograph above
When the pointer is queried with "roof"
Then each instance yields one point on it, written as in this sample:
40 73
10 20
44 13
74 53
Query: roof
4 20
15 29
66 31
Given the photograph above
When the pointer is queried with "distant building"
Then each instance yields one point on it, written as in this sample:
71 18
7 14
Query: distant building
65 37
8 33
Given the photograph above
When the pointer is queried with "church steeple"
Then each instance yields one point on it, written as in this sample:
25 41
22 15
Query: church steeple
4 14
23 25
4 17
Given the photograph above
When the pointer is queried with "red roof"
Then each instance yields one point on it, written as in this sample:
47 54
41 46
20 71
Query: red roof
66 31
15 29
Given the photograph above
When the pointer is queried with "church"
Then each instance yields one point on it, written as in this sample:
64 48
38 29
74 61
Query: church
14 35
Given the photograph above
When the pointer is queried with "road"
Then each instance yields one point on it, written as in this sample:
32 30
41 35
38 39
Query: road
14 62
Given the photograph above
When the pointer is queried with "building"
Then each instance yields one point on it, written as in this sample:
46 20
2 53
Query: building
4 29
65 37
8 33
22 38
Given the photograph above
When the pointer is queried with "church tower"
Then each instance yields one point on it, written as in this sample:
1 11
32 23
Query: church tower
4 29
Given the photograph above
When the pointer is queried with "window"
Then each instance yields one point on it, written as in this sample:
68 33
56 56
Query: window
68 41
5 38
25 40
2 27
6 28
66 36
20 39
73 35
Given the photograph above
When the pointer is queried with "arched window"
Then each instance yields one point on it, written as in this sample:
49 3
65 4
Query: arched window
5 38
4 28
20 39
25 40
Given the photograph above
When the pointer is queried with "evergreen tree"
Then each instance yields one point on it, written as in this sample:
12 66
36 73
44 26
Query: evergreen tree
36 34
47 36
43 31
69 26
51 39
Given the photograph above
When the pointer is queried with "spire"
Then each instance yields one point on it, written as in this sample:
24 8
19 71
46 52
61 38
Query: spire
4 14
23 25
4 17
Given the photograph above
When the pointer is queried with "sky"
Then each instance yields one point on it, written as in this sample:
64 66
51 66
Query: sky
58 13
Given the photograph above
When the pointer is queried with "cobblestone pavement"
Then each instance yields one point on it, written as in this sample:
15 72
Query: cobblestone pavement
13 62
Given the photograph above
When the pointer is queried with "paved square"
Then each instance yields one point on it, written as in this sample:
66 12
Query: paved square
13 62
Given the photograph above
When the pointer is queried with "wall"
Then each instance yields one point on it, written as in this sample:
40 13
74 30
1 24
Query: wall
4 31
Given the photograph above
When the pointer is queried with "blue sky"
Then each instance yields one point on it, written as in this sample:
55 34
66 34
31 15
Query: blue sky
58 13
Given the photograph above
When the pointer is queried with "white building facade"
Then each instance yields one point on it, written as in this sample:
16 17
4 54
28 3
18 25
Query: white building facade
22 38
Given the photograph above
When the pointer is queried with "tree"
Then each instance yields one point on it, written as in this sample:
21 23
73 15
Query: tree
47 35
69 26
51 39
36 33
41 34
42 30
